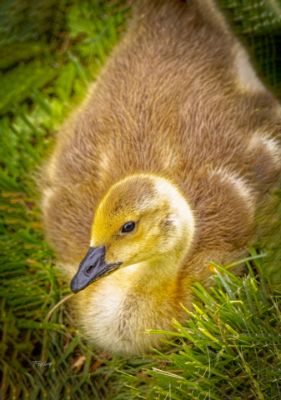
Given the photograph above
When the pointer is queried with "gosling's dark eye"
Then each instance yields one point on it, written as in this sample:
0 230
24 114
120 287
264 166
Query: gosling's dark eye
128 227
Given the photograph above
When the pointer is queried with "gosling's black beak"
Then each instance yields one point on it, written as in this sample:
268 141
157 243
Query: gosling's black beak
91 268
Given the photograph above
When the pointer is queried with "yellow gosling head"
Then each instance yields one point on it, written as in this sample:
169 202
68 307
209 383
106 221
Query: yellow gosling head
142 219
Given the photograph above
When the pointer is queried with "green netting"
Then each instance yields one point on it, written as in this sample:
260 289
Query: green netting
258 23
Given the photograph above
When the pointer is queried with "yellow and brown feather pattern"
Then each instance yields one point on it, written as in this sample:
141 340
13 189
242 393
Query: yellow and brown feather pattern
178 136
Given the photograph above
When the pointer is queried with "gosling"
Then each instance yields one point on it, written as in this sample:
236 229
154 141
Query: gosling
160 171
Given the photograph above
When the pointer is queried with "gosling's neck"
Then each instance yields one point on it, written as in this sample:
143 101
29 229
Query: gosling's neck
159 272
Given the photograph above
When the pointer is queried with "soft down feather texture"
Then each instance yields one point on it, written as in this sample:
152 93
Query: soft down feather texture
179 100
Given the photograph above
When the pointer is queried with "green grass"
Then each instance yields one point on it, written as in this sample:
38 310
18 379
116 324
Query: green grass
229 346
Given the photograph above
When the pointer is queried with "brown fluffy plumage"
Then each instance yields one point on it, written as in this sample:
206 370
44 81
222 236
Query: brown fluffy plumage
179 99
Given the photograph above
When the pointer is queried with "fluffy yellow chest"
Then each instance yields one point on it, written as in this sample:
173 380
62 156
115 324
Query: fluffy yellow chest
119 310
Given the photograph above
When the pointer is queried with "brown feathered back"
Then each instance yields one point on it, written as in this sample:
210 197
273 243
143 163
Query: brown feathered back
177 98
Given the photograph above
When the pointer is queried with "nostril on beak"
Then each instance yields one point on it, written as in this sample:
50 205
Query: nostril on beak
97 264
91 268
88 270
